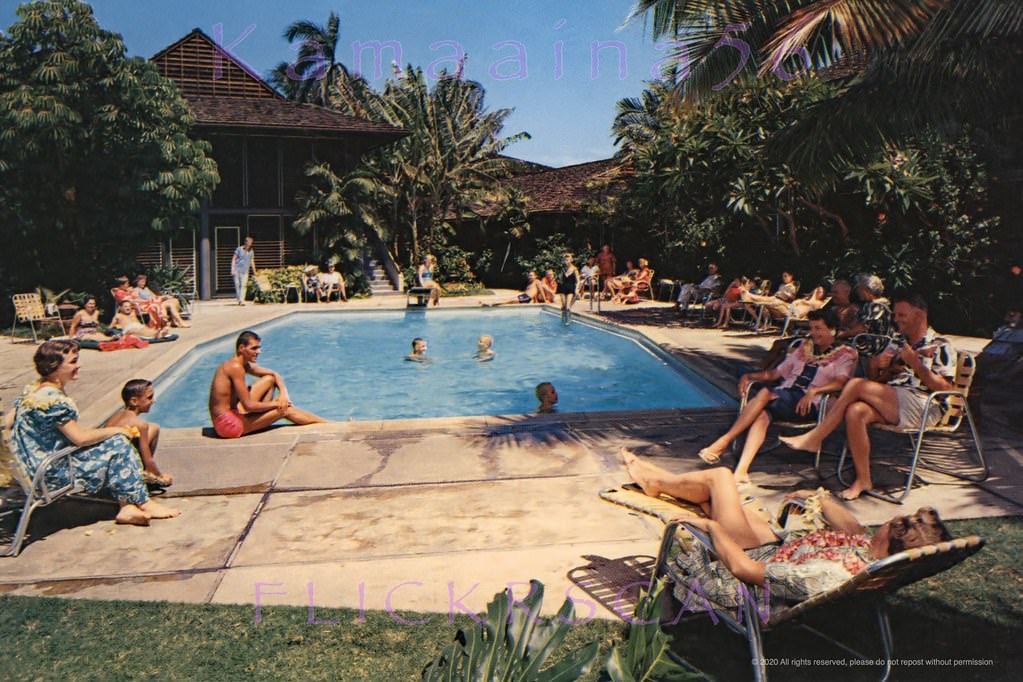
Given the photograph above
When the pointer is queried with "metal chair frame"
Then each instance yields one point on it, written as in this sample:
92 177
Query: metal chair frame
957 411
29 308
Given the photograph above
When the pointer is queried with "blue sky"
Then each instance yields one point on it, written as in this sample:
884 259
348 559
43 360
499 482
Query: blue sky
568 113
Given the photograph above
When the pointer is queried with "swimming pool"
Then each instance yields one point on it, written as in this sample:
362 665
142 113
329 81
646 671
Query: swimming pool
350 365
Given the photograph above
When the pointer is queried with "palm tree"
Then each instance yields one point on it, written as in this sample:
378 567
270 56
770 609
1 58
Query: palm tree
638 120
449 160
902 65
309 77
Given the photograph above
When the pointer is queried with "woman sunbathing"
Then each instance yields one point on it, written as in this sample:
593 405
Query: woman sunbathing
803 563
170 306
85 323
127 320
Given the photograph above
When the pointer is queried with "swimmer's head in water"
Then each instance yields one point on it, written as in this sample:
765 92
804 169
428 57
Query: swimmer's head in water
418 345
485 342
546 393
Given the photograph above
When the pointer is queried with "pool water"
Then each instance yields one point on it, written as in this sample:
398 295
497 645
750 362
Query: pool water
351 366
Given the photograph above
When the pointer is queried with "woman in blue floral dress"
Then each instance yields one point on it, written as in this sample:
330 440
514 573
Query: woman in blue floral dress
46 420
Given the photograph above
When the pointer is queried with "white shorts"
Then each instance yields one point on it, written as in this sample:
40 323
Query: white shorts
911 408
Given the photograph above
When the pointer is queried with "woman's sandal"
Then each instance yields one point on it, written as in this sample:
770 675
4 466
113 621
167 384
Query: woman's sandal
708 457
150 478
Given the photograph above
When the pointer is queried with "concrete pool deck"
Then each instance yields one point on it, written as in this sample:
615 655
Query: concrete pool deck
413 515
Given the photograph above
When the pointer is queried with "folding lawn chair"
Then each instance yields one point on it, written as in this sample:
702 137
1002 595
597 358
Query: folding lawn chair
29 308
873 585
956 412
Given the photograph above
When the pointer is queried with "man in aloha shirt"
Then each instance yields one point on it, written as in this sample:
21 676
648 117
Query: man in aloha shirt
900 377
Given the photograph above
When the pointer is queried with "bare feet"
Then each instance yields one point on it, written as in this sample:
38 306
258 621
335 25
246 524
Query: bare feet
855 490
155 510
804 441
132 515
646 476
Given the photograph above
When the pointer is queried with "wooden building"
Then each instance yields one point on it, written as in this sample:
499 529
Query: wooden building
261 143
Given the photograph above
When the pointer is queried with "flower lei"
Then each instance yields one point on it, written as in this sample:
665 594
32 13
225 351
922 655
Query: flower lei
822 359
827 545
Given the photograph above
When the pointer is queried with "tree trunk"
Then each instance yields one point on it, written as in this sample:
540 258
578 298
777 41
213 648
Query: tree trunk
824 213
793 241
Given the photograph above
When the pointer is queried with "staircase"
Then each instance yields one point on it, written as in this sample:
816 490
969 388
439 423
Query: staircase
379 283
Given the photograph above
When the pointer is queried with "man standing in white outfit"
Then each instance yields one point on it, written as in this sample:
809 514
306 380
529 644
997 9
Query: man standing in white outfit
241 264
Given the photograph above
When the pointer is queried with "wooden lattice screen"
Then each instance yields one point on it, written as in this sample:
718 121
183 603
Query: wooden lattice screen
200 67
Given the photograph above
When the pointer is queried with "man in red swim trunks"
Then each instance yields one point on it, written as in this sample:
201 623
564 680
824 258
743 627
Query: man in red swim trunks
237 410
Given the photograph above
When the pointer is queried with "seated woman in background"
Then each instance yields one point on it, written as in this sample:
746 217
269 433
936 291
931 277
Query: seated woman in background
778 303
45 419
614 285
127 320
123 292
311 283
85 323
731 299
628 292
549 286
170 306
425 274
815 301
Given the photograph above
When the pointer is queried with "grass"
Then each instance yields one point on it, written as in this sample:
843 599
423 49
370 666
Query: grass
973 611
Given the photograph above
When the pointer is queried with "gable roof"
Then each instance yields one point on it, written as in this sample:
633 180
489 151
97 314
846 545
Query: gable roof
224 93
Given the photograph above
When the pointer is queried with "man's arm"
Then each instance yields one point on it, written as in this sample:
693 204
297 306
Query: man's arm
237 376
257 371
234 262
933 381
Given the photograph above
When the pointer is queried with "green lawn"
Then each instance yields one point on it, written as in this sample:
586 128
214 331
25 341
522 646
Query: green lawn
973 611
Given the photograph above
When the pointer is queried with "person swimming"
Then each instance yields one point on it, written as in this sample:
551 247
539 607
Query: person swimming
484 349
418 353
547 396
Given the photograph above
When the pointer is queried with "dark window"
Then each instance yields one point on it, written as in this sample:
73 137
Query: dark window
227 151
263 173
335 153
297 153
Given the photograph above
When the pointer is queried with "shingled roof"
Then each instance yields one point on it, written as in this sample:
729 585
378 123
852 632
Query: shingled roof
224 93
562 190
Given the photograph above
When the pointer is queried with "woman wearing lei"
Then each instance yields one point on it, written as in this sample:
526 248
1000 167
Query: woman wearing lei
815 367
45 419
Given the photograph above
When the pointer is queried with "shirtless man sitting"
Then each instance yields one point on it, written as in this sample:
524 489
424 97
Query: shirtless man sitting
237 410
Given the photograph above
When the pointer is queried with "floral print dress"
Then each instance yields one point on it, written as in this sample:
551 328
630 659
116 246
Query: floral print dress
112 464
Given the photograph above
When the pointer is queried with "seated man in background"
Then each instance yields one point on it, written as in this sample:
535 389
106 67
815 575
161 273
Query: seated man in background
332 282
710 284
128 322
901 376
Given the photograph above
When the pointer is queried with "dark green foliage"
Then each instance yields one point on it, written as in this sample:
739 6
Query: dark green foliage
706 186
95 153
643 656
513 643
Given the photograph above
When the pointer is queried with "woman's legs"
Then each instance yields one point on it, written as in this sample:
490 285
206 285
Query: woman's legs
753 410
755 436
113 464
713 488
